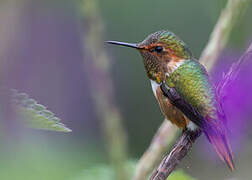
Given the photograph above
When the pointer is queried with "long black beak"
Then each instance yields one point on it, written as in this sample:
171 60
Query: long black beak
123 44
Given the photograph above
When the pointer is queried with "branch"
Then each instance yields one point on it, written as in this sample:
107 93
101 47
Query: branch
222 30
179 151
212 51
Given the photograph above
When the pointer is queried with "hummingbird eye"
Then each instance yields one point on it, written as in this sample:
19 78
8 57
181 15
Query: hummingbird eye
159 49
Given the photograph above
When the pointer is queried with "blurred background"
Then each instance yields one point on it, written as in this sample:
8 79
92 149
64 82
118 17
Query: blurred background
48 50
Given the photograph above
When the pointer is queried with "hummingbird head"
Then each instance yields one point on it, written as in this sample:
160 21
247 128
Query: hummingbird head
160 51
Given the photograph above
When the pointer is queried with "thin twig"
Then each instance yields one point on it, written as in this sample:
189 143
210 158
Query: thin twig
209 57
180 150
97 68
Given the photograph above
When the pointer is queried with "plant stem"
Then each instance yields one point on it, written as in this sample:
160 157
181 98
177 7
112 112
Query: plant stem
97 66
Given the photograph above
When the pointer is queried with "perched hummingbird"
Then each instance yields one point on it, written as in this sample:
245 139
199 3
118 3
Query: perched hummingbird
169 63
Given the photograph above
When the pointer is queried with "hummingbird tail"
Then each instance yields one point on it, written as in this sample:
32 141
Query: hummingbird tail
222 147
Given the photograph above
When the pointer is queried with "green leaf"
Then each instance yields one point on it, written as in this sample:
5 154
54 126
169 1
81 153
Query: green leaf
179 175
34 114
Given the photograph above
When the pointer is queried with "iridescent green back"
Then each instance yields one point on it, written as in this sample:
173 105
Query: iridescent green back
192 83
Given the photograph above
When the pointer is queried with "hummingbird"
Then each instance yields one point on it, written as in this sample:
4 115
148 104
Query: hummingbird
169 63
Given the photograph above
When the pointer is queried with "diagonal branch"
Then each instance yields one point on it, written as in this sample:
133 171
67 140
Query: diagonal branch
179 151
220 34
222 30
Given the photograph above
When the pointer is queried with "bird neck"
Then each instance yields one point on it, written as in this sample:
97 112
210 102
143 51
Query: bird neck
158 71
173 65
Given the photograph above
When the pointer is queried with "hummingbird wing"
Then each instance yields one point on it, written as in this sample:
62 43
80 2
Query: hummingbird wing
214 135
191 91
192 83
175 99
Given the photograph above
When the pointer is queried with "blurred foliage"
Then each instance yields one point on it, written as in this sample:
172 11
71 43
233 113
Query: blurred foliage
46 161
35 115
179 175
105 172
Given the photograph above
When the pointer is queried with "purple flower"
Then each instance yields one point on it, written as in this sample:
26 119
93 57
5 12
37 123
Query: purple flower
237 103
